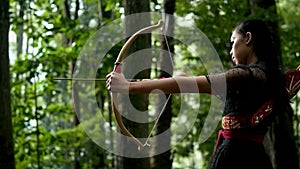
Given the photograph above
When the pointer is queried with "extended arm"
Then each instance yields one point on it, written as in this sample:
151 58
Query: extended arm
117 83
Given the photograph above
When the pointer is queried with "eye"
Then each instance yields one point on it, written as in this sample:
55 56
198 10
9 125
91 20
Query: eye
229 44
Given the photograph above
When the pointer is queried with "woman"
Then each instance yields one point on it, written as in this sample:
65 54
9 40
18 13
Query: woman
255 79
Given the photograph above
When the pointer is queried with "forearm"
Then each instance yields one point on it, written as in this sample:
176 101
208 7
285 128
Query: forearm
172 85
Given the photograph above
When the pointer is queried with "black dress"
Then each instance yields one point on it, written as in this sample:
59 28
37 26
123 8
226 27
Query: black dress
247 90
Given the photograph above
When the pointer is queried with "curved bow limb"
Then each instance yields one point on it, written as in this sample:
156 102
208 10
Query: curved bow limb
133 37
117 68
292 80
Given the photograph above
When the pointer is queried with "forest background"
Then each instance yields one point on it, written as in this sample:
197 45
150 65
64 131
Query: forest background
42 40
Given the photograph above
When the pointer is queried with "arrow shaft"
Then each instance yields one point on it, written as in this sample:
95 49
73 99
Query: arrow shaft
92 79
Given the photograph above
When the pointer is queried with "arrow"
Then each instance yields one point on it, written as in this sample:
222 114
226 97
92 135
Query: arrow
93 79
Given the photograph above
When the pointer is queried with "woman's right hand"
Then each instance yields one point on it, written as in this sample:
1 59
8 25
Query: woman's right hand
116 82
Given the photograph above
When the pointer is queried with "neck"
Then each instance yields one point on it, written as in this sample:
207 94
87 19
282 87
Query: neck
252 59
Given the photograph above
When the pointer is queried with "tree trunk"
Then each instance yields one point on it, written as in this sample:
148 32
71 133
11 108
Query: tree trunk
138 101
279 141
164 161
7 160
76 107
20 29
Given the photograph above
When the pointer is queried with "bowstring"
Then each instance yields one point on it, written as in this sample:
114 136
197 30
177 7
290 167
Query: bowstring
163 30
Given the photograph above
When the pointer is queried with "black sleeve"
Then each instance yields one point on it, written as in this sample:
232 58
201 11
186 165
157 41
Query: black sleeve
234 78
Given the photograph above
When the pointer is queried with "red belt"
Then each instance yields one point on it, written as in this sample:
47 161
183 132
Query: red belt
233 125
246 121
235 122
238 135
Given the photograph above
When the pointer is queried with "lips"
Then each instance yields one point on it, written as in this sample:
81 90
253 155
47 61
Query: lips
233 60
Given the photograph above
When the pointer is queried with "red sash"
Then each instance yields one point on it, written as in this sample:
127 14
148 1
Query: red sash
238 135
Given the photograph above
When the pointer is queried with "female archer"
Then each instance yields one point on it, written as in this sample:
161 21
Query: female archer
255 79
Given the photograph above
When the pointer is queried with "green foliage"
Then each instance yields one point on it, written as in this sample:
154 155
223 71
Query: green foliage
45 130
289 32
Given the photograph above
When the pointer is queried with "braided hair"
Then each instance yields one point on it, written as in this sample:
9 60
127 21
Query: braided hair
265 51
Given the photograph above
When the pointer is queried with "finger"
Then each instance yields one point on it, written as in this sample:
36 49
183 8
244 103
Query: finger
108 83
108 86
108 75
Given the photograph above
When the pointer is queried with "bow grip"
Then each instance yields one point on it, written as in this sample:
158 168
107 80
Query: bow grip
118 67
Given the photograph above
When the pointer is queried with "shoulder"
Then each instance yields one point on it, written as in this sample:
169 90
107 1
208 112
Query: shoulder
247 71
240 73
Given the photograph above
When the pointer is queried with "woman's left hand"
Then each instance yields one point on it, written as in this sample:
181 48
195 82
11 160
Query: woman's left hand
116 82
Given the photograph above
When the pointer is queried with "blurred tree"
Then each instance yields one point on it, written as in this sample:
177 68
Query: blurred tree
7 159
139 101
164 160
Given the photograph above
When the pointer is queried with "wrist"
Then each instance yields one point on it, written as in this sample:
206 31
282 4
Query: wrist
132 87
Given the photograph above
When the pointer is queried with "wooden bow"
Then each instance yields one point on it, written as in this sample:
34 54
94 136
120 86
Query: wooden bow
292 78
117 68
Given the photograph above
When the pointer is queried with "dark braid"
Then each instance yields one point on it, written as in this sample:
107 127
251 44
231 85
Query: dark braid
264 48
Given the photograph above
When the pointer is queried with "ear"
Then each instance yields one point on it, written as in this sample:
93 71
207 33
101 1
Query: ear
248 38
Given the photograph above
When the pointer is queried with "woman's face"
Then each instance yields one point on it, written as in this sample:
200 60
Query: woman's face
240 50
